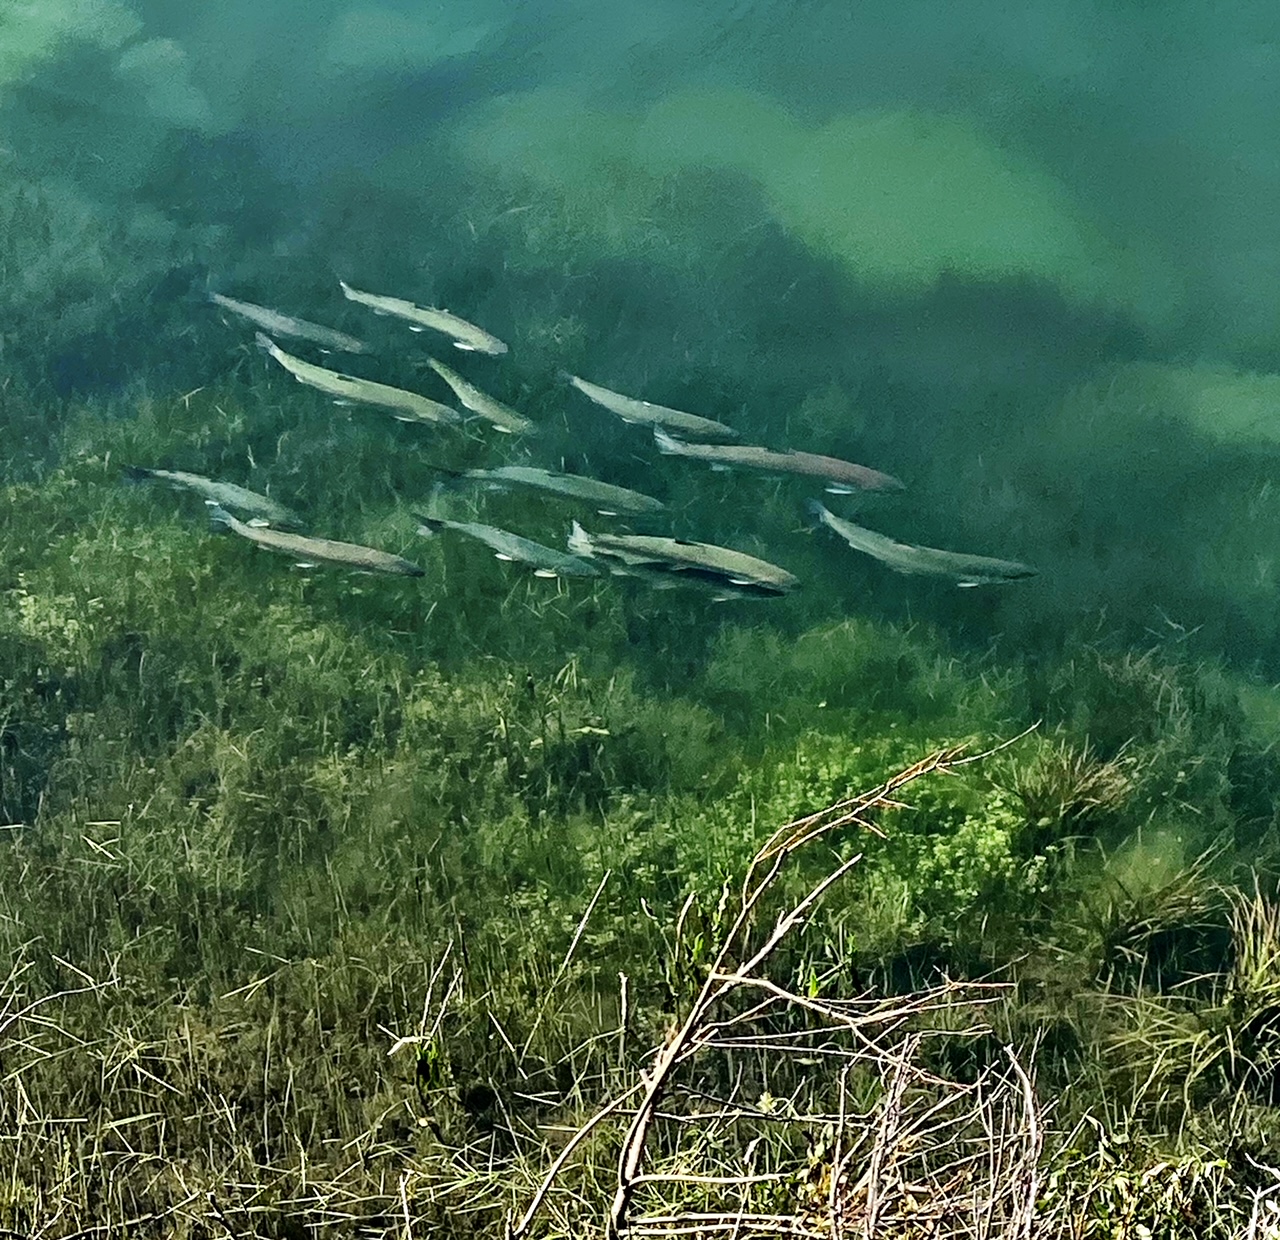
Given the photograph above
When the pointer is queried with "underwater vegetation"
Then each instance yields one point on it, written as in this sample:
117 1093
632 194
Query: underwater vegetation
501 886
330 900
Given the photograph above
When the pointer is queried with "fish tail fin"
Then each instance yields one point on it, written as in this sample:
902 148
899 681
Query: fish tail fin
136 473
202 289
186 283
817 510
264 342
429 525
219 518
448 479
667 444
580 541
433 501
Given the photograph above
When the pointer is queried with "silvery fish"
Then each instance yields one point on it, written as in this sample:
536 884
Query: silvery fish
642 413
730 572
465 335
481 403
608 499
277 324
226 494
310 551
964 570
842 477
406 406
545 561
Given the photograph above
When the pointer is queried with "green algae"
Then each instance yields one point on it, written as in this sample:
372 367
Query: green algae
900 199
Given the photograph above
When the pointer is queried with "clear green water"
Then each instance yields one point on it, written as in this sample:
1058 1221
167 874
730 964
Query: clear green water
1029 264
1024 258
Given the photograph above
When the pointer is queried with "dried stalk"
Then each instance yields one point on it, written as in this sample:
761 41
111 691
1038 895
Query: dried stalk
918 1111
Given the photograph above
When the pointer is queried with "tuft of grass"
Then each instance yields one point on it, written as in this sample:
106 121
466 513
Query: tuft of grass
1064 790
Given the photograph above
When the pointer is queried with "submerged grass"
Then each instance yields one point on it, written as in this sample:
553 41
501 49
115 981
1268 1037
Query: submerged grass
333 903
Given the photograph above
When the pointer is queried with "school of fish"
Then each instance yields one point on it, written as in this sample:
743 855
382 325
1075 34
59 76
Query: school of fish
661 561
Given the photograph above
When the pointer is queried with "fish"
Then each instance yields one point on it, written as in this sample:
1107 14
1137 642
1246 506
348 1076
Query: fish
964 570
261 508
642 413
665 560
310 551
545 561
406 406
842 477
466 336
277 324
608 499
481 403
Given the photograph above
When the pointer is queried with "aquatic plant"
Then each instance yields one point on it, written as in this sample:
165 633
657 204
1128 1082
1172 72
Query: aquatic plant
73 263
1157 924
758 1151
845 670
286 822
1201 1048
1064 790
